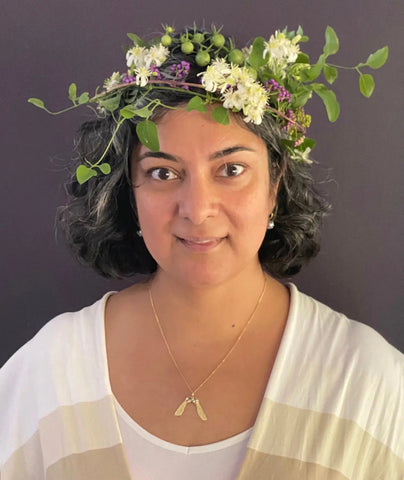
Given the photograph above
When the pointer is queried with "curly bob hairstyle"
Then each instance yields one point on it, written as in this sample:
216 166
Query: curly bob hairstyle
100 219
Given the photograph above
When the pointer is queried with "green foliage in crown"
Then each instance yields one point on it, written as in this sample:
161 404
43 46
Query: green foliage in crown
269 77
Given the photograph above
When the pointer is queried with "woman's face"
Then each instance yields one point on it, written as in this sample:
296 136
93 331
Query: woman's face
204 199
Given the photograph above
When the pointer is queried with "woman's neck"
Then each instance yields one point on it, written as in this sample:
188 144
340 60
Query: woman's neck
219 310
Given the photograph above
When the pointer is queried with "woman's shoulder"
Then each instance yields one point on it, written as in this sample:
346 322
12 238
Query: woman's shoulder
343 383
60 333
58 361
59 375
335 367
64 363
346 360
350 338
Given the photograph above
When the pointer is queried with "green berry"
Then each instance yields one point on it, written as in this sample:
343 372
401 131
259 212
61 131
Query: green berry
166 40
198 37
202 58
187 47
236 57
218 40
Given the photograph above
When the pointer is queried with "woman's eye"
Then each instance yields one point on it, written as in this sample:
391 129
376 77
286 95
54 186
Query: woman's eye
232 170
162 174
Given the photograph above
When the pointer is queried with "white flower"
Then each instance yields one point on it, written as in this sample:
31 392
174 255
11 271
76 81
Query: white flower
252 114
257 94
238 88
142 76
221 66
235 98
282 51
155 55
217 76
249 97
212 79
114 80
241 75
255 108
139 57
135 56
301 156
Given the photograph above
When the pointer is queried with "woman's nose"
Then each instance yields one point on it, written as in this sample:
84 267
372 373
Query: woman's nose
198 200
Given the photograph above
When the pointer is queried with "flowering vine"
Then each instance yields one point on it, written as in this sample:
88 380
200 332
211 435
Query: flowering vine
269 77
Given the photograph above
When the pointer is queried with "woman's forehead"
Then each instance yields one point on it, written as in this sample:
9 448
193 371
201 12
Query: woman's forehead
187 132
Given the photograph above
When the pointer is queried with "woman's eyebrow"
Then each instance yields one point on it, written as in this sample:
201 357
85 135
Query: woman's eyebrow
164 155
231 150
214 156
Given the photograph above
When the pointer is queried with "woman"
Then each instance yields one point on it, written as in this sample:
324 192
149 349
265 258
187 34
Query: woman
210 367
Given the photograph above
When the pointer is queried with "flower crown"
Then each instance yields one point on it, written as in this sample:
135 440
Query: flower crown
269 77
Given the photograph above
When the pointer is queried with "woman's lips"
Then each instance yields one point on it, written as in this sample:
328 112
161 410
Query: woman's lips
198 244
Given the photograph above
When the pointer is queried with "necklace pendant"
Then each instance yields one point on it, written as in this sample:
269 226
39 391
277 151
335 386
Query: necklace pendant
199 410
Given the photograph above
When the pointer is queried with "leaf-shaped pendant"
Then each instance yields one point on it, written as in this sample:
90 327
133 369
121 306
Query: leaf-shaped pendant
180 410
199 409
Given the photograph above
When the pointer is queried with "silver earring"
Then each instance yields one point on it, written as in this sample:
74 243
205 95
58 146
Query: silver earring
139 233
271 223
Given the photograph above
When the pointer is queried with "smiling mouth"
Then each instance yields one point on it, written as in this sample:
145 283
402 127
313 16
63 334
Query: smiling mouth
200 244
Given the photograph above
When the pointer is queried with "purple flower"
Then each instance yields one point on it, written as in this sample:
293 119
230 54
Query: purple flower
180 70
272 85
156 71
283 94
128 78
291 116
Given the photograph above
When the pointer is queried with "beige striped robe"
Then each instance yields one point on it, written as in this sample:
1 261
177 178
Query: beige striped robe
333 408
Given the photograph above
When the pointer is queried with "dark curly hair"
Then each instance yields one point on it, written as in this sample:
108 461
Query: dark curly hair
100 220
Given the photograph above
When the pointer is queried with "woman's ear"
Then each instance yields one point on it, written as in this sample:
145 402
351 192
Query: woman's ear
273 189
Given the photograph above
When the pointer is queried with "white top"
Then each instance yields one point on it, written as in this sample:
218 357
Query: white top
333 407
151 458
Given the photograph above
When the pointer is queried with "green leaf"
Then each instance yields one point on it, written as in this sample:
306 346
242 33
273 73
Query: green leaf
105 168
315 70
329 99
331 41
111 103
308 143
37 102
83 98
128 111
302 58
144 112
266 75
256 58
287 143
378 59
366 84
146 131
196 103
300 97
84 173
135 39
221 115
72 92
330 74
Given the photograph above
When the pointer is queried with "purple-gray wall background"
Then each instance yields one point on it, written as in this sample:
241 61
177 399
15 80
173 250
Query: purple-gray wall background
46 44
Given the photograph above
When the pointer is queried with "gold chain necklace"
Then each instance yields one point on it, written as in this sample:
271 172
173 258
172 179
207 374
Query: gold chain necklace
191 398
